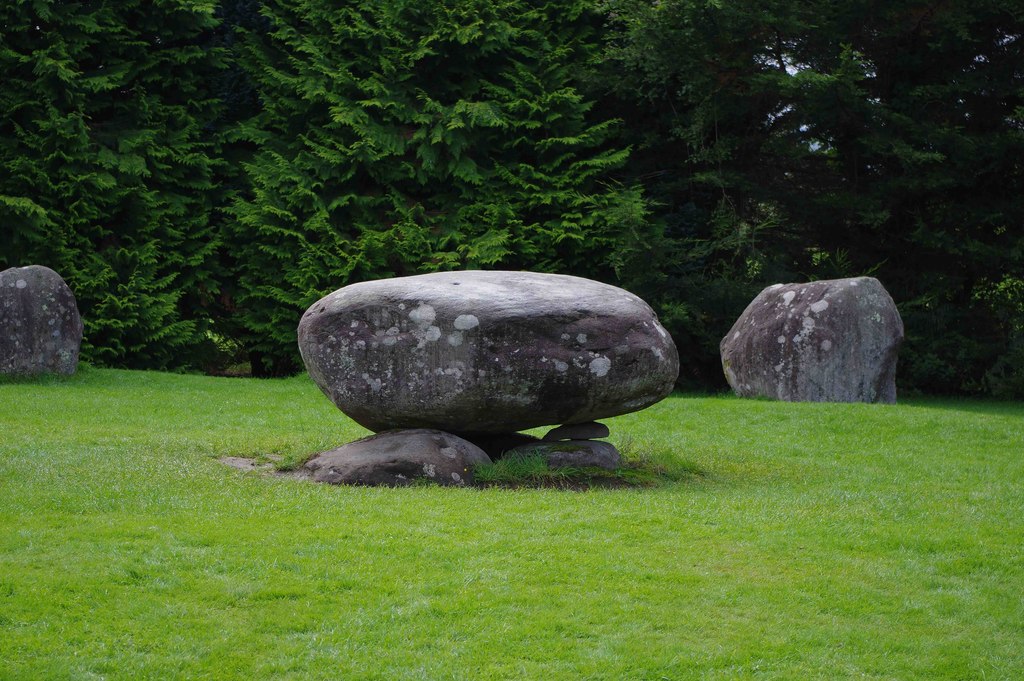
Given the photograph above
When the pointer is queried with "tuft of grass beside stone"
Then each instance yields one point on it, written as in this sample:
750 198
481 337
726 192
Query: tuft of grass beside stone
639 469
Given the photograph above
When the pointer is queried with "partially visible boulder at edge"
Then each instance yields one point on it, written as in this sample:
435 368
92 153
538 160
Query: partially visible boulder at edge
398 457
486 351
822 341
573 454
40 328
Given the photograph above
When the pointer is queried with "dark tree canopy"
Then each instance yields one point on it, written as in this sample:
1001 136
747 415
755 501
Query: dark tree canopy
831 139
106 166
404 137
201 171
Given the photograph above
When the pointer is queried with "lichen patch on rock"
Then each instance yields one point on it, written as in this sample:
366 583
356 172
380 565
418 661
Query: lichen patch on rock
502 351
40 327
834 341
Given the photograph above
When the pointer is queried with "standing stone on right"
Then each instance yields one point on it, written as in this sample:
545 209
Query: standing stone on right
823 341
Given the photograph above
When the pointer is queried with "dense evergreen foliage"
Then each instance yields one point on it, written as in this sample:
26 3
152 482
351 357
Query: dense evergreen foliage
203 169
406 137
106 166
788 141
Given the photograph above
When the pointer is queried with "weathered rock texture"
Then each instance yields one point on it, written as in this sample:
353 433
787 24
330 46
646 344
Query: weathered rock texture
573 454
40 328
577 431
486 351
397 458
823 341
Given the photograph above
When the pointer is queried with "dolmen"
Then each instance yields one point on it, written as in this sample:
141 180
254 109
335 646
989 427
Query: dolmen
40 327
823 341
447 368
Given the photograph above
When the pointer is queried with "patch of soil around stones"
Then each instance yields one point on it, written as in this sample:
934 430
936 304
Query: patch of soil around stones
574 483
244 464
447 369
581 483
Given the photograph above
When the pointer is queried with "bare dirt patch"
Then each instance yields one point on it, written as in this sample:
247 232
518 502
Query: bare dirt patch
577 482
244 464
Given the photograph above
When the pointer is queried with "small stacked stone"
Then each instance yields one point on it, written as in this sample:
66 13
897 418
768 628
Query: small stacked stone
575 445
479 356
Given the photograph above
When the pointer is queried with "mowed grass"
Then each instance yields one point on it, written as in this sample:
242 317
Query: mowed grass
810 541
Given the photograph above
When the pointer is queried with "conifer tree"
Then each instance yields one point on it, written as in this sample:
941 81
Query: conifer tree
407 136
105 166
795 140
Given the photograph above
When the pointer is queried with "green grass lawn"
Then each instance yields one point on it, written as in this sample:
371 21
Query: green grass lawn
810 541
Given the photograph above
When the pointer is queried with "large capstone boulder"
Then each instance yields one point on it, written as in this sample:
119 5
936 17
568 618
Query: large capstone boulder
40 328
486 352
397 458
823 341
